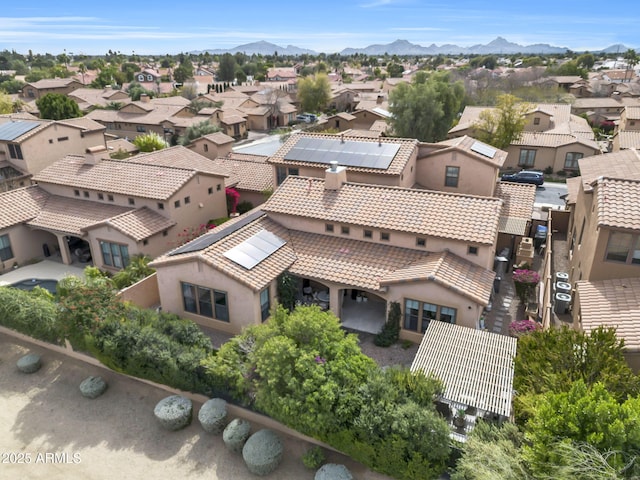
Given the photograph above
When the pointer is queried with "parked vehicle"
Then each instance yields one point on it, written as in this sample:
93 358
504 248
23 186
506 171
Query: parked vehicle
524 176
307 117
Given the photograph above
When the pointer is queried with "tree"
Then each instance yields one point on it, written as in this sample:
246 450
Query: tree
150 142
314 93
586 60
227 68
425 109
137 269
6 103
135 90
55 106
395 70
196 131
503 124
632 59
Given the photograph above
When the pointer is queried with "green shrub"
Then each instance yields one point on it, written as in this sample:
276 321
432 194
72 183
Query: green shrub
548 170
314 458
244 207
32 313
390 331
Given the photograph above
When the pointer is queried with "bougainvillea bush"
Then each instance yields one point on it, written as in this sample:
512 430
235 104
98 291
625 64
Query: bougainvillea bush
525 281
522 327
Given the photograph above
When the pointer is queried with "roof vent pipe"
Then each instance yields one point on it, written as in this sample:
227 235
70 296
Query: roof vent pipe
334 165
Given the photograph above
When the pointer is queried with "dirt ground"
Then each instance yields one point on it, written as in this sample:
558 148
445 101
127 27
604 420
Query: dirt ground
48 430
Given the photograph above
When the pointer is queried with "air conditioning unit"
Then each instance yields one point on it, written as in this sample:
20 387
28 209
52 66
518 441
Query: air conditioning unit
563 287
562 302
562 277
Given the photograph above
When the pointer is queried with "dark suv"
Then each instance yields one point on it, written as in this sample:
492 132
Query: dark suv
525 176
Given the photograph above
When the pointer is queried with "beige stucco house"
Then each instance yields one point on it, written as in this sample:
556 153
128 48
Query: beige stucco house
63 86
352 248
250 175
146 204
627 132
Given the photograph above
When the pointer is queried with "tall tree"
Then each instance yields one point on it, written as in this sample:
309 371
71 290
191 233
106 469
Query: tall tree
425 108
227 68
314 93
55 106
503 124
196 131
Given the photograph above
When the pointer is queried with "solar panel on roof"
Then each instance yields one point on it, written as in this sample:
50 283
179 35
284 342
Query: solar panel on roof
348 153
484 149
209 239
11 130
255 249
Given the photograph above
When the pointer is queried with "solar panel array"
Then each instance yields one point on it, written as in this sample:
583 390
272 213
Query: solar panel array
484 149
255 249
11 130
347 153
209 239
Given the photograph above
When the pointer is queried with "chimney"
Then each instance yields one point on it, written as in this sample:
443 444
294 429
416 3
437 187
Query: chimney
93 155
145 98
335 176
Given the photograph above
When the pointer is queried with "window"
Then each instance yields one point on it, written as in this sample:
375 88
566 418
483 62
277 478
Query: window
206 147
110 198
367 234
15 151
140 128
100 196
114 254
63 139
344 230
384 236
421 242
160 206
581 231
176 204
51 140
536 121
422 313
86 194
210 190
76 193
472 250
265 304
165 233
145 242
527 158
132 201
5 248
571 160
187 200
451 177
284 172
205 301
623 247
328 227
218 187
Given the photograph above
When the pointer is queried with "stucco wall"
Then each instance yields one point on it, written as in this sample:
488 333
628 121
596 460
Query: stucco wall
26 244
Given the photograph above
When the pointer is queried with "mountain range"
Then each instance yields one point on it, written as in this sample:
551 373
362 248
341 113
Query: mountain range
498 46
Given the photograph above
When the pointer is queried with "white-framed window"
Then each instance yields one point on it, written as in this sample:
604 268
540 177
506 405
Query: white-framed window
418 315
114 254
265 304
527 158
205 301
571 160
5 248
624 248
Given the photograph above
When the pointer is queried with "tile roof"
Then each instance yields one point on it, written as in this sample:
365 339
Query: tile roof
138 224
219 138
618 203
573 188
449 271
552 140
71 215
622 164
438 214
629 139
465 144
632 112
475 366
52 83
517 209
20 205
398 163
612 303
116 176
247 172
180 157
84 123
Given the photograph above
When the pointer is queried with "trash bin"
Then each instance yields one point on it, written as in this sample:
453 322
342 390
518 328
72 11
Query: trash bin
496 284
45 250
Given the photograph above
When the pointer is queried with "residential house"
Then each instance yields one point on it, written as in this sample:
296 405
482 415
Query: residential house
250 175
282 74
603 110
63 86
91 98
627 133
553 138
351 248
147 204
28 144
148 76
213 145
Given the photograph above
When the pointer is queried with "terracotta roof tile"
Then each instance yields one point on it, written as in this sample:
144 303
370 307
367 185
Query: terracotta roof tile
517 209
465 144
612 303
180 157
552 140
138 224
618 203
573 188
246 173
396 167
624 164
437 214
629 139
20 205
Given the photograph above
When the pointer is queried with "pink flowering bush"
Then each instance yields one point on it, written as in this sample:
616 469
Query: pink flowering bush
233 197
522 327
525 282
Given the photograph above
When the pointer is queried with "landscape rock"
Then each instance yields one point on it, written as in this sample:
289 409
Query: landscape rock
333 471
263 452
213 415
93 387
174 412
235 434
29 363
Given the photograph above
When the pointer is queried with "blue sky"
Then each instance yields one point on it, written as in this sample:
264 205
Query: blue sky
160 26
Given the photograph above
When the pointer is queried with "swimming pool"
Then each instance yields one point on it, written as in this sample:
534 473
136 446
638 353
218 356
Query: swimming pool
31 283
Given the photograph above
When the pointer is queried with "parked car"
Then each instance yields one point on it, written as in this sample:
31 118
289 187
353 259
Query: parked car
307 117
524 176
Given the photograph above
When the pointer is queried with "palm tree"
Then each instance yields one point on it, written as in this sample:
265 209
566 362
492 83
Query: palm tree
632 59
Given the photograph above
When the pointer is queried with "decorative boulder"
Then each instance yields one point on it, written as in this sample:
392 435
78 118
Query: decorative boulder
235 434
333 471
29 363
213 415
93 387
174 412
263 452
